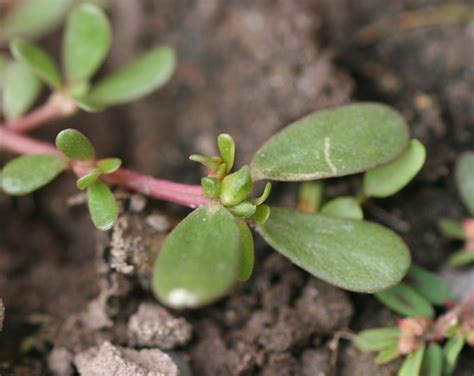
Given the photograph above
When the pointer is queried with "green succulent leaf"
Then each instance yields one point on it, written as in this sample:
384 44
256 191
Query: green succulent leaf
211 186
86 42
75 145
200 260
352 254
433 361
236 187
388 179
451 351
461 258
412 364
261 214
330 143
38 60
465 179
141 77
33 18
265 194
388 354
376 339
109 165
245 209
20 90
248 253
226 146
452 229
343 207
102 205
26 174
428 284
404 300
87 180
310 196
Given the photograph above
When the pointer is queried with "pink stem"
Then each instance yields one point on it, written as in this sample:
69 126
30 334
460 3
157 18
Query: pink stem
182 194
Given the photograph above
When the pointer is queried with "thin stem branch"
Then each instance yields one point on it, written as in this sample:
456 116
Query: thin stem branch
182 194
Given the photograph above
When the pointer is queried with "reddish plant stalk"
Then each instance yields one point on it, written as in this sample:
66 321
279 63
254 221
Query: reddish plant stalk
182 194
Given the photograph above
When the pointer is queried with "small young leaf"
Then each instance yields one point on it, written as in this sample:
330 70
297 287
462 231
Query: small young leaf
406 301
75 145
412 364
26 174
264 196
335 142
465 179
87 180
428 284
86 42
20 90
376 339
38 60
310 196
248 254
388 354
212 163
461 258
261 214
451 352
245 209
388 179
102 205
226 146
236 187
211 187
451 228
352 254
200 260
144 75
343 207
108 165
433 361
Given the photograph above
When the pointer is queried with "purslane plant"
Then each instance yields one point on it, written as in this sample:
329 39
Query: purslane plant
212 248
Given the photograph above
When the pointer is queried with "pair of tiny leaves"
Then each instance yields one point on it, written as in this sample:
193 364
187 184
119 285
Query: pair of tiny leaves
200 260
415 296
85 44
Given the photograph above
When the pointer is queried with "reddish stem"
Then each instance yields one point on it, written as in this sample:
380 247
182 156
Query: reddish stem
183 194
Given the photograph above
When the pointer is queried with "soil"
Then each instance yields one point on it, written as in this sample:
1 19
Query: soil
78 300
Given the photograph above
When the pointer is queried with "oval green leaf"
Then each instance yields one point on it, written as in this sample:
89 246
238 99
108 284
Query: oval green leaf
429 285
451 351
310 196
87 180
335 142
226 147
86 42
387 180
452 229
352 254
461 258
343 207
200 260
248 252
406 301
21 88
433 361
376 339
75 145
465 179
38 60
26 174
412 364
102 205
109 165
144 75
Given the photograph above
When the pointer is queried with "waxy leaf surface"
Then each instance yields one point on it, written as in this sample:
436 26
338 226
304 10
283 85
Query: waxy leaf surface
465 179
248 253
352 254
75 145
336 142
376 339
429 285
343 207
102 205
200 260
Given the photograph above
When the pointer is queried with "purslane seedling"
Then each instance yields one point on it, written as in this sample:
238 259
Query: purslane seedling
212 248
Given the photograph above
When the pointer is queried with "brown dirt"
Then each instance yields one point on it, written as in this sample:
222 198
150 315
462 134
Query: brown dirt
247 68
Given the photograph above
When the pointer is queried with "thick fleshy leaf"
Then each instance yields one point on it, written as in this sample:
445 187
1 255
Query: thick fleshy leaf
465 179
86 42
248 254
388 354
387 180
75 145
262 214
26 174
432 361
226 146
335 142
376 339
428 284
452 229
236 187
352 254
200 260
87 180
404 300
38 60
141 77
412 364
102 205
310 196
343 207
451 351
461 258
109 165
20 90
33 18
